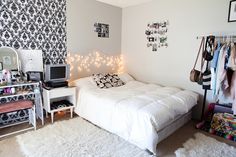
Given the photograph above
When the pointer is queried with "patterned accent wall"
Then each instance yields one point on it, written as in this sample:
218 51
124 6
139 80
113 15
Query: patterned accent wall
35 24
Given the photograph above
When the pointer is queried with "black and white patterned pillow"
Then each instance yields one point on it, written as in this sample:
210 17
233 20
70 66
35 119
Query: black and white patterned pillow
107 80
115 80
101 81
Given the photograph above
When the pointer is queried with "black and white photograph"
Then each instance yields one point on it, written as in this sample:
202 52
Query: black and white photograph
154 47
6 60
151 39
102 30
232 11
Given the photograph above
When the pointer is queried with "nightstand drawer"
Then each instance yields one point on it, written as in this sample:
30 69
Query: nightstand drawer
61 92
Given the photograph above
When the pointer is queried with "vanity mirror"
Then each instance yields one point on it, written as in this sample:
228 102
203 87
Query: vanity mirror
9 59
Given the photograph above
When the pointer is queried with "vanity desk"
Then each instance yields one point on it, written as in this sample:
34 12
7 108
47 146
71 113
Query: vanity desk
23 104
20 101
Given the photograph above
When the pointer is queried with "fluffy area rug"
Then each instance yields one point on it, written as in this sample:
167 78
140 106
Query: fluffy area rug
75 138
203 146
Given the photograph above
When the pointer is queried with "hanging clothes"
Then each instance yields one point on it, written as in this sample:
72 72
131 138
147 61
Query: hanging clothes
232 58
220 70
233 92
225 80
213 68
208 56
227 55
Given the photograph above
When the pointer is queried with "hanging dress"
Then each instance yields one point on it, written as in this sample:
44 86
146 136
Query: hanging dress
232 58
233 92
221 77
214 68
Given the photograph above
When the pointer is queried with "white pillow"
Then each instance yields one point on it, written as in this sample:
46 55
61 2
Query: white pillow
125 77
86 82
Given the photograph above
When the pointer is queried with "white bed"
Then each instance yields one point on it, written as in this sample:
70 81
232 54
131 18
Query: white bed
143 114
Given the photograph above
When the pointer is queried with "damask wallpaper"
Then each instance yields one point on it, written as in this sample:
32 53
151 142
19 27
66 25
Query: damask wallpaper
35 24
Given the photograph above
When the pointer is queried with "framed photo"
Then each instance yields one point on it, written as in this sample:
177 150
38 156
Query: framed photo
102 30
6 60
1 66
232 11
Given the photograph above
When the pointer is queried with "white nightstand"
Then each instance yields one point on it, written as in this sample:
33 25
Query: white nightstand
57 94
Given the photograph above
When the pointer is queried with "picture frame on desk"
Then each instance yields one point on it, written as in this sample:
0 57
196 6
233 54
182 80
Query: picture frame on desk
232 11
1 66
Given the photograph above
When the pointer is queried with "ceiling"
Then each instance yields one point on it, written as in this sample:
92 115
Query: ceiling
124 3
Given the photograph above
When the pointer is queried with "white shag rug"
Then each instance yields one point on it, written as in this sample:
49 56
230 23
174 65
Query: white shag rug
75 138
203 146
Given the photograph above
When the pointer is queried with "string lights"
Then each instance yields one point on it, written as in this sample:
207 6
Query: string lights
87 63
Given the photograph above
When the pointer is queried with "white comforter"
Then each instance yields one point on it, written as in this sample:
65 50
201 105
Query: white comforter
135 111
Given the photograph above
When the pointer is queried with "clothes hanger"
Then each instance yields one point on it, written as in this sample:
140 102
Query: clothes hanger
225 40
220 39
228 40
215 45
231 41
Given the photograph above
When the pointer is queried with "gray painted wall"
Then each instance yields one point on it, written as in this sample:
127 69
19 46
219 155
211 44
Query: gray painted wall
81 38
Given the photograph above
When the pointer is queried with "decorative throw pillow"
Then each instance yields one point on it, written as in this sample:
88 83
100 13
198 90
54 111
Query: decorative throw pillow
107 80
115 80
100 80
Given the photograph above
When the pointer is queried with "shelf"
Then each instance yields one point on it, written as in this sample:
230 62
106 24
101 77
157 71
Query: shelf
61 109
24 92
19 84
16 132
16 95
13 124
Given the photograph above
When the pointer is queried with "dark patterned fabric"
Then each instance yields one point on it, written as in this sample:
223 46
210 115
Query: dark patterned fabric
107 80
60 104
35 24
13 117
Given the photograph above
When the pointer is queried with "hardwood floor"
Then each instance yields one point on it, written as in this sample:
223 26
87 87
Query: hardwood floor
10 148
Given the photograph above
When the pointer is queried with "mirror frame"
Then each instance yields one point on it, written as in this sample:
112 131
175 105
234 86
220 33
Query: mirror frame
17 56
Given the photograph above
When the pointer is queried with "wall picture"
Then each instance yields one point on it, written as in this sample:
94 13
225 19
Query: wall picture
232 11
6 60
156 33
102 30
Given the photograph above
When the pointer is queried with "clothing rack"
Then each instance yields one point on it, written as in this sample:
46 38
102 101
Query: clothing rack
223 37
220 37
204 98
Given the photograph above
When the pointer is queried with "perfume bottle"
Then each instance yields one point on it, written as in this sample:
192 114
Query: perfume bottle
9 77
13 90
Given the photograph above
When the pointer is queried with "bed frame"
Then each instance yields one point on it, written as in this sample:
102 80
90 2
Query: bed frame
174 125
169 129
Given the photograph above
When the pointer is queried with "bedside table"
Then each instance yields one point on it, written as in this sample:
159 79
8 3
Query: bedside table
57 95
